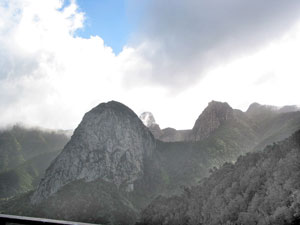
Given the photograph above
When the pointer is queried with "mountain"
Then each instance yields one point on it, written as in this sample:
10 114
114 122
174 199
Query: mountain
18 144
271 123
258 109
268 123
113 167
26 176
289 108
10 151
148 120
101 165
213 116
25 153
260 188
110 143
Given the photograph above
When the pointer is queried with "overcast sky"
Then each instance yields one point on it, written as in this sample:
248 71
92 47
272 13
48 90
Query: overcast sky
58 59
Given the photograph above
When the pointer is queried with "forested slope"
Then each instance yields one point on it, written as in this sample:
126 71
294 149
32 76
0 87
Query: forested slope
260 188
25 153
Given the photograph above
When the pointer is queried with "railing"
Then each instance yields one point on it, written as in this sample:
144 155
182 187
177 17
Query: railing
4 219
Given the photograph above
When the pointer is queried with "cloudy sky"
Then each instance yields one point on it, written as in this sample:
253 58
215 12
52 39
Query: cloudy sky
58 59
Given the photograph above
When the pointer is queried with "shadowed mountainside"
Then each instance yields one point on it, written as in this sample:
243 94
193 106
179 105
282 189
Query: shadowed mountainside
260 188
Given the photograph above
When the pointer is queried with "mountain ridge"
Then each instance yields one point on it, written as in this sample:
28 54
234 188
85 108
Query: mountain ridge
109 143
112 154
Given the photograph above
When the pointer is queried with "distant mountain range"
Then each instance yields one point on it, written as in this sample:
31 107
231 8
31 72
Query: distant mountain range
116 163
215 115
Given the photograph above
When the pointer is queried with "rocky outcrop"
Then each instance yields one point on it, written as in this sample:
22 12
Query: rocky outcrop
111 143
213 116
148 120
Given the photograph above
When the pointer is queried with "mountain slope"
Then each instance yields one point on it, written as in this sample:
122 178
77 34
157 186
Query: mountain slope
10 151
92 179
26 176
18 144
113 154
25 153
260 188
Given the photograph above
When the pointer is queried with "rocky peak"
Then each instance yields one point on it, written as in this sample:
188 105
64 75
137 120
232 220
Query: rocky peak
110 143
213 116
147 118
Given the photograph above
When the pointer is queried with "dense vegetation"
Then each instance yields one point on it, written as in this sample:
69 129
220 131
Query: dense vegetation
24 156
260 188
97 202
26 176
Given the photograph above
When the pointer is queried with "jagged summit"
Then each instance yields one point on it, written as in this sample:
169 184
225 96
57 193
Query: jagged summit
147 118
214 115
110 143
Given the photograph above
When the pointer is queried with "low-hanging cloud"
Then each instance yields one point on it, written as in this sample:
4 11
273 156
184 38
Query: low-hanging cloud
183 39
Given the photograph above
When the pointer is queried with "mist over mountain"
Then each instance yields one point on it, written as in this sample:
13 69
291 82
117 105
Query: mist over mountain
25 153
117 163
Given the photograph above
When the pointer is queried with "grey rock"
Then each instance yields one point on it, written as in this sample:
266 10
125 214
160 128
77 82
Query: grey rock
148 119
213 116
110 143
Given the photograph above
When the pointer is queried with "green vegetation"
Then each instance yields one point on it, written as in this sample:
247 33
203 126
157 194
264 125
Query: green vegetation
26 176
260 188
24 156
97 202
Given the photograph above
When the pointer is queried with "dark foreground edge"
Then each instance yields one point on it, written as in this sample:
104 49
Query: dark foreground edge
33 220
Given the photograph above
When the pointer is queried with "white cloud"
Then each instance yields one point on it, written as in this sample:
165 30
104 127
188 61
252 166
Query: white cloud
50 78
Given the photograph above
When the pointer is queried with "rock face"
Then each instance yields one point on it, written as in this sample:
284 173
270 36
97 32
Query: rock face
213 116
148 119
110 143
